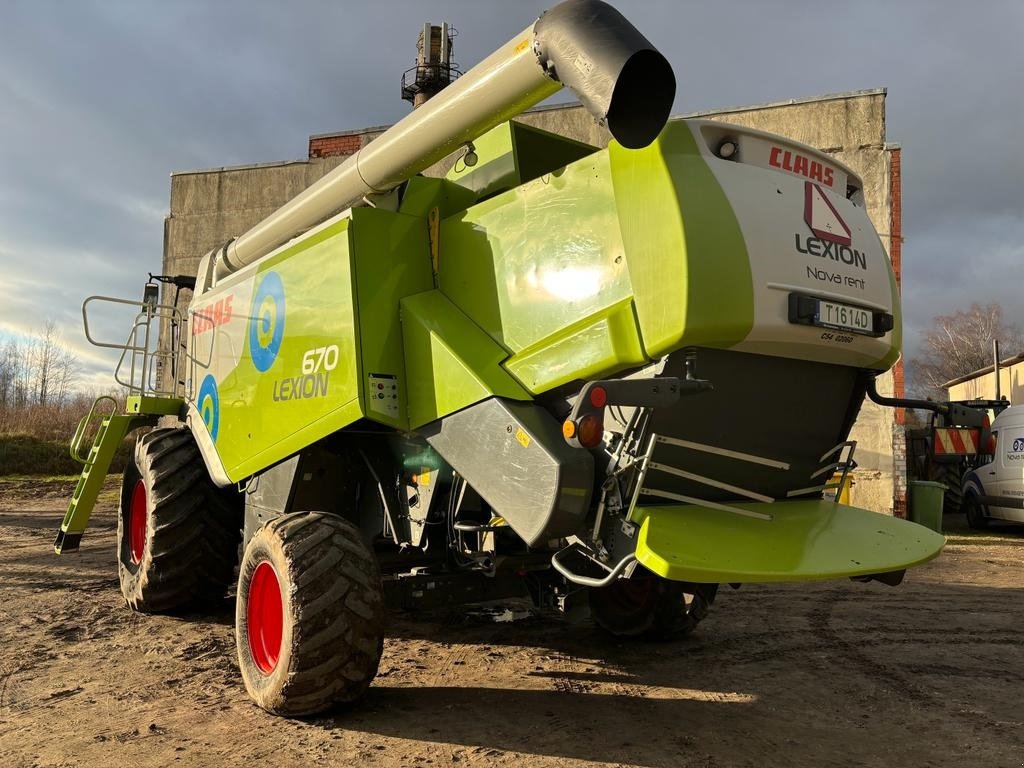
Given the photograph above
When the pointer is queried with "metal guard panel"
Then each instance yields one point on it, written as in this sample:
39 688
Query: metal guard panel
806 540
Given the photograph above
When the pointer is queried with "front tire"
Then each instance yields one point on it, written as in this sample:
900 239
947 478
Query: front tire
651 607
309 622
177 533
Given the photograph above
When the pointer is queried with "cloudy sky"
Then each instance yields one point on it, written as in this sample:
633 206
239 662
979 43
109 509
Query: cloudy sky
101 100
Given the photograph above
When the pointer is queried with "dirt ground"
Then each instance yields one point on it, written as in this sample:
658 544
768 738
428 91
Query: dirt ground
836 674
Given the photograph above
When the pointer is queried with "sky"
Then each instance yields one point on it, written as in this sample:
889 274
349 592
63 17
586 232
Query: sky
101 100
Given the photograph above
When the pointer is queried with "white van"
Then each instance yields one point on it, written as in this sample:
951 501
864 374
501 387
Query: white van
995 491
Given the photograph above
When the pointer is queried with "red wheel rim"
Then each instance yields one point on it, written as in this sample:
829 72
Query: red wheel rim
265 614
137 518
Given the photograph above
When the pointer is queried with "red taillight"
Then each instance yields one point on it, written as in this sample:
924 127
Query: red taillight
598 397
590 431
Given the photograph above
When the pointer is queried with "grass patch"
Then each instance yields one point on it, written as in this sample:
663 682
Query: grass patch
27 455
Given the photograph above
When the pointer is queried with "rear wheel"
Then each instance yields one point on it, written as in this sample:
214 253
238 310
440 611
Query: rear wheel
975 513
309 622
178 533
951 476
649 606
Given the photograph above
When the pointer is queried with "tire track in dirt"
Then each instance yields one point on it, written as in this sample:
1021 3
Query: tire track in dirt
820 621
455 655
897 677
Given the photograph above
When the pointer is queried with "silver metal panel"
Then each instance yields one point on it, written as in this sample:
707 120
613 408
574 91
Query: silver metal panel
514 455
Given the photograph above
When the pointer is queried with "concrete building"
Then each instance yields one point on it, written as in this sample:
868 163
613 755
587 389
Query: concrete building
981 384
207 207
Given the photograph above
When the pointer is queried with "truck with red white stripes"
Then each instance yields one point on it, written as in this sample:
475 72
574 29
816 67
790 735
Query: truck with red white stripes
959 437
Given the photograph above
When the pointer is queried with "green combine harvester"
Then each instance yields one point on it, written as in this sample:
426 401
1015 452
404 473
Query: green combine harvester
609 379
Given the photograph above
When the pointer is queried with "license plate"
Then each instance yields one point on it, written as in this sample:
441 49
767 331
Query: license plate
833 315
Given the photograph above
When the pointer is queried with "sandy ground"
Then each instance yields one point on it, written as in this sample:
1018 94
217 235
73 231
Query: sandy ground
838 674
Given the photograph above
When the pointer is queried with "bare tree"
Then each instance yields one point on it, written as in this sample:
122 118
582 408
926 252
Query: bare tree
23 373
53 366
8 361
961 343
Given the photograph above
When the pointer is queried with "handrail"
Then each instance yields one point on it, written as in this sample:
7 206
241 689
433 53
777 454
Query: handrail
589 581
75 449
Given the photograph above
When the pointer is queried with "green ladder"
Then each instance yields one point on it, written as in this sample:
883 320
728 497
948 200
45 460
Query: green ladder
113 427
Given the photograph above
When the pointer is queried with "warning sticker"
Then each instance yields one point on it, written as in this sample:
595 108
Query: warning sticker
822 217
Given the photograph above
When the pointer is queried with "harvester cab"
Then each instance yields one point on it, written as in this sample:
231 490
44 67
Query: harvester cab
619 375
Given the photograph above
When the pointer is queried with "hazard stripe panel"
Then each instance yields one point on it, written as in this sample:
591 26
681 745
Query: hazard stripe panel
950 441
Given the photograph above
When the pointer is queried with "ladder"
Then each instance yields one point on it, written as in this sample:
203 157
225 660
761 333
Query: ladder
112 429
144 406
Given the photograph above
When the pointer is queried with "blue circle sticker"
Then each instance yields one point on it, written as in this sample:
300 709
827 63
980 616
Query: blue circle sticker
208 403
266 322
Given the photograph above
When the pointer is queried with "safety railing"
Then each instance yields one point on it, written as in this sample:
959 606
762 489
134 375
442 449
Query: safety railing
141 356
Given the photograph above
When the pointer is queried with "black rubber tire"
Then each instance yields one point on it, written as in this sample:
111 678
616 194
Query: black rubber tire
193 528
975 513
333 614
650 607
951 476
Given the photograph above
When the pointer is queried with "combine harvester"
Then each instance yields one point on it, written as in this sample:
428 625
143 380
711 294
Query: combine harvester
601 377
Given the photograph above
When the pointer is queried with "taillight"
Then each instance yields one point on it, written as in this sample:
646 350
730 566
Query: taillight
598 397
590 431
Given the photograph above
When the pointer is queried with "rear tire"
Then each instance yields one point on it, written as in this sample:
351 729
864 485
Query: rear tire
651 607
951 476
975 513
309 622
178 533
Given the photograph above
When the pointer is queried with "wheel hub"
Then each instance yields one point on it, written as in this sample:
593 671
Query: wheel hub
137 520
265 617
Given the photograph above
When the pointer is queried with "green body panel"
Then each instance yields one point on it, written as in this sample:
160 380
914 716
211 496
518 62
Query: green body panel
450 361
160 406
423 194
340 289
593 269
688 263
266 415
532 262
805 540
391 259
601 342
896 335
512 154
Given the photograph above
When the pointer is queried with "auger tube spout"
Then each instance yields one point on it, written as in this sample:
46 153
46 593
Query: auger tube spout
585 45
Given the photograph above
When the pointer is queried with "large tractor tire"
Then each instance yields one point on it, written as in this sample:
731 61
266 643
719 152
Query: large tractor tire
651 607
178 533
309 622
975 513
950 475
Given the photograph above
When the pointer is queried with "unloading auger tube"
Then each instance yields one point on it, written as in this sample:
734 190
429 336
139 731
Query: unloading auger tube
585 45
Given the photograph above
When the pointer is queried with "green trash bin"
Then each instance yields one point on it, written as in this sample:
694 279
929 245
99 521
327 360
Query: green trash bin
926 503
